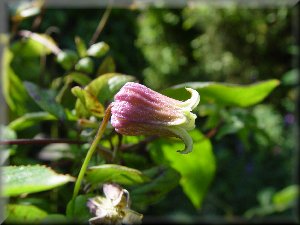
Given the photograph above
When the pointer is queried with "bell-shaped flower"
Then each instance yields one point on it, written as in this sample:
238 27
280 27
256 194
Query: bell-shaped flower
138 110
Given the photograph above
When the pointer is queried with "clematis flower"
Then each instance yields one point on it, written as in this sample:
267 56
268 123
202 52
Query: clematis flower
138 110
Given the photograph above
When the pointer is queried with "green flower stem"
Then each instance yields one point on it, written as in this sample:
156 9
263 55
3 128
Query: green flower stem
91 151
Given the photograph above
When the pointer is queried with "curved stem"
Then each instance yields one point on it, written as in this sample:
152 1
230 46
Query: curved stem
91 151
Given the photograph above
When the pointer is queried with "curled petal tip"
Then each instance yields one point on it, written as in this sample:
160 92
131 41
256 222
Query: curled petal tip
185 137
194 100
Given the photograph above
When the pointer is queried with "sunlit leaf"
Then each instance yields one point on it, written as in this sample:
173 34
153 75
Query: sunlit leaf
225 94
97 50
103 88
286 197
27 214
30 119
197 168
115 173
34 45
46 100
80 46
87 101
29 179
23 10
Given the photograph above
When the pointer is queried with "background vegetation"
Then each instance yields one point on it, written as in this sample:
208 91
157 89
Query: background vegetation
247 168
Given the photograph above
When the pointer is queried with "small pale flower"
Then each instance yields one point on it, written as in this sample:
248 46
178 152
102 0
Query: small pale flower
138 110
114 208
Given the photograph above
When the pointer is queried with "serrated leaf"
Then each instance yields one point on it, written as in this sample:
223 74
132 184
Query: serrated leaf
29 179
115 173
27 214
30 119
225 94
197 168
46 100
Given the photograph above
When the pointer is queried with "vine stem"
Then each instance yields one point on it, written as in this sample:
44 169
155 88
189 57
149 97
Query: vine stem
91 151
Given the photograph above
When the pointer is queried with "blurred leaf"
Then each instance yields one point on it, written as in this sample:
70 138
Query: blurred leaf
85 65
197 168
291 77
29 179
87 103
34 45
27 9
45 99
80 46
27 214
164 180
13 90
77 209
115 173
30 119
67 59
233 125
284 198
6 133
225 94
97 50
55 219
55 151
107 66
79 78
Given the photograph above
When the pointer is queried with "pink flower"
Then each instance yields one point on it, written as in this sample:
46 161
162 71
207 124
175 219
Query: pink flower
138 110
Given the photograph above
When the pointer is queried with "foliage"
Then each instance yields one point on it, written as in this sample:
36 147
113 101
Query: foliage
59 86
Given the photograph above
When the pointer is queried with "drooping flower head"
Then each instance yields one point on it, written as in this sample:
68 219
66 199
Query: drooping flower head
138 110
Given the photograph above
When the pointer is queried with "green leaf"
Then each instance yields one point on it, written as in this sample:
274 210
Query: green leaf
164 180
115 173
34 46
29 179
77 209
107 66
102 88
285 197
85 65
225 94
46 100
80 46
67 59
27 214
79 78
29 120
197 168
13 90
55 219
88 103
97 50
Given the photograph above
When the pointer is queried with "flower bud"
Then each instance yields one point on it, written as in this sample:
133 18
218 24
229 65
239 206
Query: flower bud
138 110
